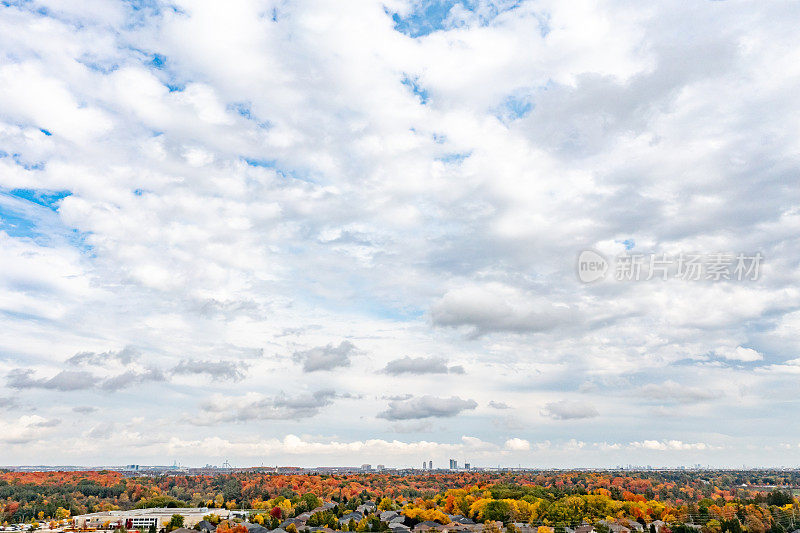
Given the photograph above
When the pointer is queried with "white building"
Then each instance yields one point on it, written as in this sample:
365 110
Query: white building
142 519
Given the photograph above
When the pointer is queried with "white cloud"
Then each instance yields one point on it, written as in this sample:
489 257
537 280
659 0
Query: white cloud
569 410
426 407
670 445
517 445
739 353
496 307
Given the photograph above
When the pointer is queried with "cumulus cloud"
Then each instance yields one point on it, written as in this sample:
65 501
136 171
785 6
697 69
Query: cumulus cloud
498 308
739 353
66 380
517 445
75 380
53 422
326 357
426 407
254 406
421 365
131 378
569 410
660 445
499 405
231 370
124 356
26 429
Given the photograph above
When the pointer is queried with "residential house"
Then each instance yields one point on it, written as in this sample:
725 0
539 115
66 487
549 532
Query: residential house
255 528
204 526
427 525
525 528
366 508
355 515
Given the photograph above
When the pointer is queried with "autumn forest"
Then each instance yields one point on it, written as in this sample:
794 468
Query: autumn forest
717 502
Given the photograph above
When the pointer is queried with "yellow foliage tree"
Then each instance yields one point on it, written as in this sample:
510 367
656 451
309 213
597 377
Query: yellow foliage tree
386 504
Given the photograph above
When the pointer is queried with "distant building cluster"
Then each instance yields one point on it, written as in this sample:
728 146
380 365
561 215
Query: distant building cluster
428 465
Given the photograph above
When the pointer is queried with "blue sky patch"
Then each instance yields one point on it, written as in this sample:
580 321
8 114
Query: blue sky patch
413 84
15 223
264 163
244 109
33 214
98 66
628 243
454 158
432 15
158 61
515 107
44 198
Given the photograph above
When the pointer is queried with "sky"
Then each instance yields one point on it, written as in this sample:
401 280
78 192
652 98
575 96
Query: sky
319 232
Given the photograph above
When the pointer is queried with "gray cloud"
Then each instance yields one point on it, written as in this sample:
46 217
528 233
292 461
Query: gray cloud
297 331
498 308
84 409
7 402
569 410
325 357
498 405
102 430
131 378
66 380
53 422
219 369
421 365
415 426
125 356
426 407
280 407
396 397
229 309
74 380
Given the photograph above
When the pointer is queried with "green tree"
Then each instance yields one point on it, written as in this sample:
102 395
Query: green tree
497 510
175 522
